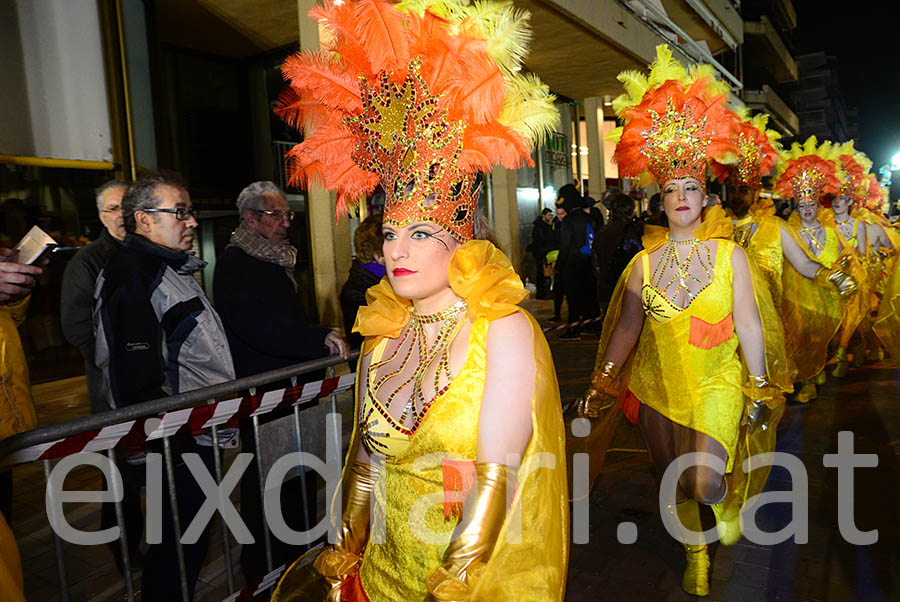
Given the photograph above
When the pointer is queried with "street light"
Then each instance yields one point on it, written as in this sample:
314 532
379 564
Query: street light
895 162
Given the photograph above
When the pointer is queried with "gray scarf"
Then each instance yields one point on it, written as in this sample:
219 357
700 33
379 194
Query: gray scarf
256 245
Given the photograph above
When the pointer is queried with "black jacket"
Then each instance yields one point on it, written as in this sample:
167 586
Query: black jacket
543 238
77 307
263 315
572 237
353 296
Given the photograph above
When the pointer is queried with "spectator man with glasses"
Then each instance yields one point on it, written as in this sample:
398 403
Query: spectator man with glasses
258 297
158 335
79 278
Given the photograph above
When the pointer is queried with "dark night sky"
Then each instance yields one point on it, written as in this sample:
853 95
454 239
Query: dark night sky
865 37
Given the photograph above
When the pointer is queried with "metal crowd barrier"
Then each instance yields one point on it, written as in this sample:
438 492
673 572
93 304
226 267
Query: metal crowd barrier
104 431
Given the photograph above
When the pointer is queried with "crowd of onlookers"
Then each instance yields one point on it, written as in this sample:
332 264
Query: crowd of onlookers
132 306
579 253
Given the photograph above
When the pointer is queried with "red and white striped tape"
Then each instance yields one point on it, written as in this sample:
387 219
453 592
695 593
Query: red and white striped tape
572 324
189 420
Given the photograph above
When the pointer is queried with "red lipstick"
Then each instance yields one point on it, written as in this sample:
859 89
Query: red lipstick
402 272
682 208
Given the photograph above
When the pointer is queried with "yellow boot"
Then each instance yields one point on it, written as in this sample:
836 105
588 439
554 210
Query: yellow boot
806 393
728 518
821 378
696 571
840 365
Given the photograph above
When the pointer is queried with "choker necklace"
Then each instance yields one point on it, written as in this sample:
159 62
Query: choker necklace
450 319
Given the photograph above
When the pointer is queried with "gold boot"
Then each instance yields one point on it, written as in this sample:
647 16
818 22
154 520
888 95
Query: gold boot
821 378
840 365
696 572
806 393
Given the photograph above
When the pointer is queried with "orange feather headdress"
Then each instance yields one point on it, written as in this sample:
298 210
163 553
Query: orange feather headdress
675 120
875 194
808 171
419 97
854 167
757 152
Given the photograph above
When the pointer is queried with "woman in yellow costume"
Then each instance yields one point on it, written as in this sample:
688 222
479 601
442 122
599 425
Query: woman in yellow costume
763 236
457 456
684 307
884 242
813 312
852 233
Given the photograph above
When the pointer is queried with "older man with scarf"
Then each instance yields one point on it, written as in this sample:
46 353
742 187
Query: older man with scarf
257 297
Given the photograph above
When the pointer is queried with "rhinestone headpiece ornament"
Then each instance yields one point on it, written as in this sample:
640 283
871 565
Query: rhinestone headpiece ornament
675 120
808 171
757 152
417 97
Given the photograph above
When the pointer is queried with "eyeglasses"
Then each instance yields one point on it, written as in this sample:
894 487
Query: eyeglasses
181 213
113 209
278 215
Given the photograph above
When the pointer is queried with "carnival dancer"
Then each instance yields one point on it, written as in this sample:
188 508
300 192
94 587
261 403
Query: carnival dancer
458 402
813 312
764 237
851 232
880 259
683 307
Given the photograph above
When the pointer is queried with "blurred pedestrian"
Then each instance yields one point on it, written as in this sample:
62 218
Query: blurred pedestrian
366 270
615 245
574 263
541 243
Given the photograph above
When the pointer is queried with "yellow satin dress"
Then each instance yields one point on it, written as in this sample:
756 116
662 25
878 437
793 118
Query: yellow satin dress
530 558
686 364
812 313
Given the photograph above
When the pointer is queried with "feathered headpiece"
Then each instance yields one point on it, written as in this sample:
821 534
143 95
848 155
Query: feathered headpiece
675 120
808 171
419 97
876 194
757 152
854 167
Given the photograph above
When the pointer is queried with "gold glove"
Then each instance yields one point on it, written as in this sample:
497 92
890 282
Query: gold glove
342 559
842 281
759 393
474 536
601 393
886 253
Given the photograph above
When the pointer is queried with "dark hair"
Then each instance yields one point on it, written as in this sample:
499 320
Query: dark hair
655 203
484 230
367 239
142 195
546 210
621 206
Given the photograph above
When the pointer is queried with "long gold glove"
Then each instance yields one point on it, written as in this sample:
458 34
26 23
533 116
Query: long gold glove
842 281
342 559
474 536
759 393
601 393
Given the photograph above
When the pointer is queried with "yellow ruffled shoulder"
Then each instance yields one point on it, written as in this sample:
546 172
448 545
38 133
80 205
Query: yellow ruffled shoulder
384 315
479 273
482 274
715 224
763 207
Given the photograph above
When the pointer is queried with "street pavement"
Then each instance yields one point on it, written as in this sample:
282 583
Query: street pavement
866 403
